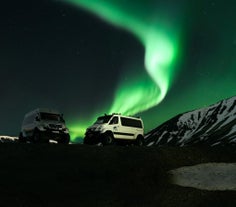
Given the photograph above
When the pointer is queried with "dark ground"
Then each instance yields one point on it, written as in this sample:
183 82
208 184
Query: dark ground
115 176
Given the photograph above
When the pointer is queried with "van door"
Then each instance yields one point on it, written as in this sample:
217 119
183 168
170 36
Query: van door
29 125
125 131
115 127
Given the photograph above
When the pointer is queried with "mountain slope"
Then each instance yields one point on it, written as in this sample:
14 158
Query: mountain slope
213 125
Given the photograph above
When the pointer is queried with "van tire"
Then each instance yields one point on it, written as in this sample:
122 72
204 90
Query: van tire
65 139
36 136
139 141
108 139
21 139
87 141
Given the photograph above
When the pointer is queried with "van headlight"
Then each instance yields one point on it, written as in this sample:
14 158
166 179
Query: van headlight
45 126
100 128
66 130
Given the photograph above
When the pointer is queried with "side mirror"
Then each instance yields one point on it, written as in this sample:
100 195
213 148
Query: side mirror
62 119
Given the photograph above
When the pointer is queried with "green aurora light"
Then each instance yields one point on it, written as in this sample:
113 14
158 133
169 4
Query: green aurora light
160 40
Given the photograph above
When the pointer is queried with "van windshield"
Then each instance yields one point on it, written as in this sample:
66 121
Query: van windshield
51 117
103 119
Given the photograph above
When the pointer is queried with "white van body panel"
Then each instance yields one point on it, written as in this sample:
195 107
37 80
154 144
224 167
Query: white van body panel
121 127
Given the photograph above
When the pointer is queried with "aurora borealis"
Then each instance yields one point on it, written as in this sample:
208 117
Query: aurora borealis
161 47
160 50
152 58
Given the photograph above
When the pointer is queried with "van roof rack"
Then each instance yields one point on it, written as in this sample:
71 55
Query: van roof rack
134 116
116 113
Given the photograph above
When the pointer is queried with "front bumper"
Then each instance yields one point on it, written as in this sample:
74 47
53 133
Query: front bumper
92 137
54 134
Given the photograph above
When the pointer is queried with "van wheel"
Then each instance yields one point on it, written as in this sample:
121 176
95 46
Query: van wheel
21 139
139 141
87 141
64 139
108 140
36 136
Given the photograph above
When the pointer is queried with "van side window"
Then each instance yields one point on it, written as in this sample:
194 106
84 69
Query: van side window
131 122
114 120
28 119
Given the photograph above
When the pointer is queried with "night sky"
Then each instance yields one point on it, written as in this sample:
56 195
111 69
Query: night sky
152 58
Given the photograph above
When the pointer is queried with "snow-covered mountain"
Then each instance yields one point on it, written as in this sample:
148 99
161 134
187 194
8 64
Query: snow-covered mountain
213 125
4 139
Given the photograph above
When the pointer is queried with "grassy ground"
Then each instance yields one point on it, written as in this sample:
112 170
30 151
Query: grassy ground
115 176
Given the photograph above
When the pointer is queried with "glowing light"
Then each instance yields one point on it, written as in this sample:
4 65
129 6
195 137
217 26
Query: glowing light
141 90
160 54
77 131
161 47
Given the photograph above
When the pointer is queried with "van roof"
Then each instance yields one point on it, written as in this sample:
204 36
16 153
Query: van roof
44 110
125 116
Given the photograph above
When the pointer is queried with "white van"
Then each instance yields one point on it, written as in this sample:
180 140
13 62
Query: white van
110 128
42 125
